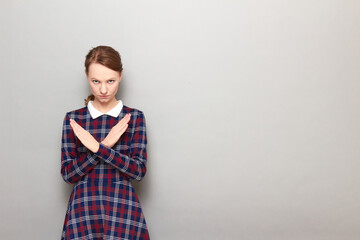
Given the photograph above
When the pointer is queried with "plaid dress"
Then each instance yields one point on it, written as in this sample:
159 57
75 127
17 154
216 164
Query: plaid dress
103 203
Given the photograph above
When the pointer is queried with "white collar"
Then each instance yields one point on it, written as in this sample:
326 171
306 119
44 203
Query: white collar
113 112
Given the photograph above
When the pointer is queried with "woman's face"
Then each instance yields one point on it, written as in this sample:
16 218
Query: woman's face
104 82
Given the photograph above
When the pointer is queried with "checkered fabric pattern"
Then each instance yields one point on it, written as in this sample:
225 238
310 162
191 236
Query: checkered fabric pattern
103 203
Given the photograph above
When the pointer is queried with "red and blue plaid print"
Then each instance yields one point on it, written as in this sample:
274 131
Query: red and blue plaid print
103 203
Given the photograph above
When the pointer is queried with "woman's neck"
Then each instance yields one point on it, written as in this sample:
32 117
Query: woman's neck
105 107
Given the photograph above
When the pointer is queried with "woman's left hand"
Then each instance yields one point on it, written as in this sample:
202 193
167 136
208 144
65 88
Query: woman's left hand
84 136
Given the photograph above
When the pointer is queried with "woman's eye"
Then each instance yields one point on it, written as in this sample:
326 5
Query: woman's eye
111 81
95 81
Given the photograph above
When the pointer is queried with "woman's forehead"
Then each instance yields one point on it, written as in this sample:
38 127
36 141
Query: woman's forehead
100 72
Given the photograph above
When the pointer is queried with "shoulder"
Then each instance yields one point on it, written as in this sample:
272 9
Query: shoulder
77 113
133 111
137 116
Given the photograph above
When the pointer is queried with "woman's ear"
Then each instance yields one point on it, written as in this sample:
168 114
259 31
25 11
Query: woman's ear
120 76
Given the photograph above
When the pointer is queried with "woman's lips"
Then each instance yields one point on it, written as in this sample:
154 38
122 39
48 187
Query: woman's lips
104 96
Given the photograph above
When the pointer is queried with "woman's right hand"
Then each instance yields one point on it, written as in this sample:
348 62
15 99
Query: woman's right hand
115 133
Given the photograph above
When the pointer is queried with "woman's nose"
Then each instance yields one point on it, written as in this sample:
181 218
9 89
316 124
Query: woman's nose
103 89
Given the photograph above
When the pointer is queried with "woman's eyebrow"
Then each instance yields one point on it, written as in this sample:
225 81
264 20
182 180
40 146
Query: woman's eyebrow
112 78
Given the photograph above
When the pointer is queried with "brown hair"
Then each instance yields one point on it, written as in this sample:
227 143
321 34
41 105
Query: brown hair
106 56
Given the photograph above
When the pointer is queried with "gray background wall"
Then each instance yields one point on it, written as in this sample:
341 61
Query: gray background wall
252 111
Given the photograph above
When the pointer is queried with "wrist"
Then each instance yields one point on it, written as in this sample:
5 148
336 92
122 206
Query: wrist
95 149
104 142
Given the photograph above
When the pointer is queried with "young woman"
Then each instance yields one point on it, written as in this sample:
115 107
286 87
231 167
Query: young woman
103 148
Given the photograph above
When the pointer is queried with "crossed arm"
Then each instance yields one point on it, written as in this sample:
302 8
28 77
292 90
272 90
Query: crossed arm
74 165
90 142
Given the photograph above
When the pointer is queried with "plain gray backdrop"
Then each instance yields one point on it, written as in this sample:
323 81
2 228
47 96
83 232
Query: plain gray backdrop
252 110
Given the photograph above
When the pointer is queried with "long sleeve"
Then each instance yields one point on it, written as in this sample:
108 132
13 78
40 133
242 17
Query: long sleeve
74 164
133 165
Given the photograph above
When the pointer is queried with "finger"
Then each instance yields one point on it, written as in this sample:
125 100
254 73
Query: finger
79 131
128 118
75 123
125 119
120 124
75 127
76 131
119 130
78 126
83 135
123 129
